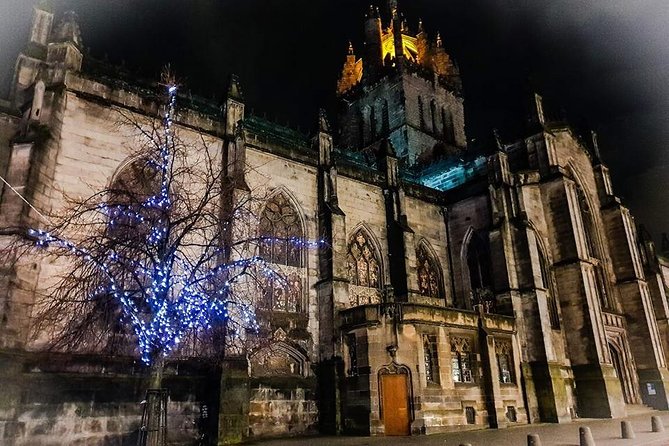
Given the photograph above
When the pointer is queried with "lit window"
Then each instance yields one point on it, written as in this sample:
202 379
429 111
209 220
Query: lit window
429 277
363 265
461 360
281 236
504 355
283 294
281 227
431 358
364 271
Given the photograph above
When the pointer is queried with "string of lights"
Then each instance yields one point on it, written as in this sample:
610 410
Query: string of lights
164 295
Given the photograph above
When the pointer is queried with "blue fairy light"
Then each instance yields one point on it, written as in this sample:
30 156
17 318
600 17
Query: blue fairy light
180 296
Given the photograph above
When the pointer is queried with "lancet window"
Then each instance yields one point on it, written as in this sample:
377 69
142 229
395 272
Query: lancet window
461 360
364 270
363 264
431 359
546 278
373 124
480 277
448 126
429 273
385 116
421 113
504 354
589 233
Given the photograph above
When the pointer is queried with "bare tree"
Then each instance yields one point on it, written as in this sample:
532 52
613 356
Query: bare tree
162 262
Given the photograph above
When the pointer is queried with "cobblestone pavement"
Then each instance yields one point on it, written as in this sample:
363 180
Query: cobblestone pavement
605 433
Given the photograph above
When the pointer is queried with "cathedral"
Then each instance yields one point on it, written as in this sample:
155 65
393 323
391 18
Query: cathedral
457 290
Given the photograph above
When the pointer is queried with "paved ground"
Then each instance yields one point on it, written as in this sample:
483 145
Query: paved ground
605 433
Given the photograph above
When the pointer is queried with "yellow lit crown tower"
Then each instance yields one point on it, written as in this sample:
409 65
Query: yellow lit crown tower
405 88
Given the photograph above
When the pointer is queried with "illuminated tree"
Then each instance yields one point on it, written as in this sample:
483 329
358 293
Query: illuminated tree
160 262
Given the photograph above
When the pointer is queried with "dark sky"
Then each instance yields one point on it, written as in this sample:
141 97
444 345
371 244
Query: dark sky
605 62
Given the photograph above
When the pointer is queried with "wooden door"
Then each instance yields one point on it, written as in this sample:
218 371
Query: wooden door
395 404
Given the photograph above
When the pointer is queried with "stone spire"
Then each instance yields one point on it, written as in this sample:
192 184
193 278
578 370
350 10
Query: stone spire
373 55
351 73
396 21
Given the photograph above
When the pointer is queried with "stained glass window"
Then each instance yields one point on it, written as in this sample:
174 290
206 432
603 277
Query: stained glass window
431 358
429 277
363 265
282 226
504 354
421 113
461 367
283 295
550 294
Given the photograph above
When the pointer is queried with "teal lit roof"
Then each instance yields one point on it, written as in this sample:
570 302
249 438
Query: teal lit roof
273 132
449 174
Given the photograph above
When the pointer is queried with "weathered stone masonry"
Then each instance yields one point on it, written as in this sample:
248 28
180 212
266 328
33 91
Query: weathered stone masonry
456 290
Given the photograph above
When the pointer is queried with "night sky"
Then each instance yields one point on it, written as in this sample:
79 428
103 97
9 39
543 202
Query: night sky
604 62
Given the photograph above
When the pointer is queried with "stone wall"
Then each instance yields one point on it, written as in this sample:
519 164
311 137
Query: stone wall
76 401
282 411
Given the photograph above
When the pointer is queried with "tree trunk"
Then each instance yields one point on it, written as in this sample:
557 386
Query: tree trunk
157 368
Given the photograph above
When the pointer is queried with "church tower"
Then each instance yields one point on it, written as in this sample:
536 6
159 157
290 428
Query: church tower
405 88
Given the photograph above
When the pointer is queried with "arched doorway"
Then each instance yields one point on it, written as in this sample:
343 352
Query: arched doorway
395 399
617 360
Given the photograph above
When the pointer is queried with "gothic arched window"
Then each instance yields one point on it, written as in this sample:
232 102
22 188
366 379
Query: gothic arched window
550 294
504 353
130 189
372 124
281 232
363 264
433 116
447 126
429 275
421 113
480 272
589 233
478 262
136 182
385 116
588 223
361 128
431 359
462 358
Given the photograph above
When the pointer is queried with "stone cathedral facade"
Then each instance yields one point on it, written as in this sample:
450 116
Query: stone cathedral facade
457 290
